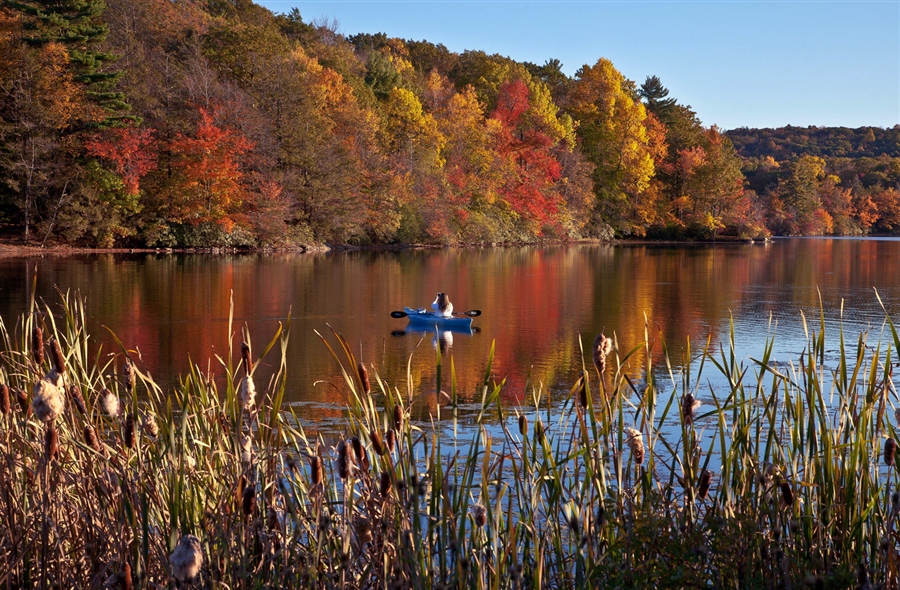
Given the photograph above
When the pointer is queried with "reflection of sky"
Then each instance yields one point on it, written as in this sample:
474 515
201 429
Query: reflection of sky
536 303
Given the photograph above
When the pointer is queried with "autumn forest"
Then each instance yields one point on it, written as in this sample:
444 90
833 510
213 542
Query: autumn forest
194 123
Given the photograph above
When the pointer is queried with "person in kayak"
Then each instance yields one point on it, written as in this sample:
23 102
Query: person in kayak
442 306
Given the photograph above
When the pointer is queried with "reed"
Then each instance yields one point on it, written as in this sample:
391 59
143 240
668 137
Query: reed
774 482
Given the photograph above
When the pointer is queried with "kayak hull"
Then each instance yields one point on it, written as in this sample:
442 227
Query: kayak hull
420 317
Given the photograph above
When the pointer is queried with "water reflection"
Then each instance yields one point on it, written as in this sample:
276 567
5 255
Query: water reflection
536 301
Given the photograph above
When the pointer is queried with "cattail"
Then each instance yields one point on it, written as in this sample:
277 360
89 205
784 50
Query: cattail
345 460
601 350
385 484
149 426
688 406
130 439
90 437
22 398
51 442
897 416
247 394
364 377
398 418
59 361
539 430
125 577
223 423
315 467
245 358
247 449
390 440
128 374
4 398
109 402
48 401
377 443
635 441
78 399
523 424
703 488
248 504
360 453
581 388
37 345
480 514
187 559
890 449
787 494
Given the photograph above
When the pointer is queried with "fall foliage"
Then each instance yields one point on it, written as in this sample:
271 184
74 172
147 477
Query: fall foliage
214 123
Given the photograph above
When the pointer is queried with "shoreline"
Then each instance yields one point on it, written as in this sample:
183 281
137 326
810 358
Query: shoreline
12 249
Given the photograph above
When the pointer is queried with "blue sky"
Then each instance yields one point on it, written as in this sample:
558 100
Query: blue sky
737 63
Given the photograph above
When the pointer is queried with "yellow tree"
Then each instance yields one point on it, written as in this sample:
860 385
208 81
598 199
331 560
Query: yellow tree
614 138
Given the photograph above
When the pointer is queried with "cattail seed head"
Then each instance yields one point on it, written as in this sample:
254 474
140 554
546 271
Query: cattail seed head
479 512
247 449
390 439
187 559
359 452
37 345
149 426
523 424
56 355
890 449
247 394
377 443
897 416
315 467
345 459
688 407
398 418
245 358
77 399
601 349
581 389
90 437
364 377
4 399
48 401
22 398
895 500
787 494
109 402
705 480
128 374
635 440
125 577
386 484
51 442
128 435
248 505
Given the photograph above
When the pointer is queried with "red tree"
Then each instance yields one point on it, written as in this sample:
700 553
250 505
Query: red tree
213 185
128 150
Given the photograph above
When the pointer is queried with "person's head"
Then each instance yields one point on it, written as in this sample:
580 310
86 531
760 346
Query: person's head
443 301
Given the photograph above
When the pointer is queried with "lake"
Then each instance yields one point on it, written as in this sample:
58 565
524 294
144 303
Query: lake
536 303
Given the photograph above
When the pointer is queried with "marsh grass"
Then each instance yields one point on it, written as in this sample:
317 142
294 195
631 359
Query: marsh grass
777 481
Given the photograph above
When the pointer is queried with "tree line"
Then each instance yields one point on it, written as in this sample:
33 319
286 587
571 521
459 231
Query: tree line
218 123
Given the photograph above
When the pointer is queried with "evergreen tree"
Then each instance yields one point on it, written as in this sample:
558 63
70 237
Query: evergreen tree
654 95
78 26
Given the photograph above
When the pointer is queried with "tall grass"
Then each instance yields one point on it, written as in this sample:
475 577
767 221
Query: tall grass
776 481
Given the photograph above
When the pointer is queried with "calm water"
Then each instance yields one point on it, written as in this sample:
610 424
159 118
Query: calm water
536 302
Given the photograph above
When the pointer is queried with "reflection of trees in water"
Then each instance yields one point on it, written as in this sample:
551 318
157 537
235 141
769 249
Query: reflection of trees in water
536 301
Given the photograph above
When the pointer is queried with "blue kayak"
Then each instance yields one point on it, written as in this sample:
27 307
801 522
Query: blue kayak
423 317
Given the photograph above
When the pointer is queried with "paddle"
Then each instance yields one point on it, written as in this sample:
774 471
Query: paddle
472 313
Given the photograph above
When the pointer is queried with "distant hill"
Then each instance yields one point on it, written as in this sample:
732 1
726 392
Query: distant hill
787 143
